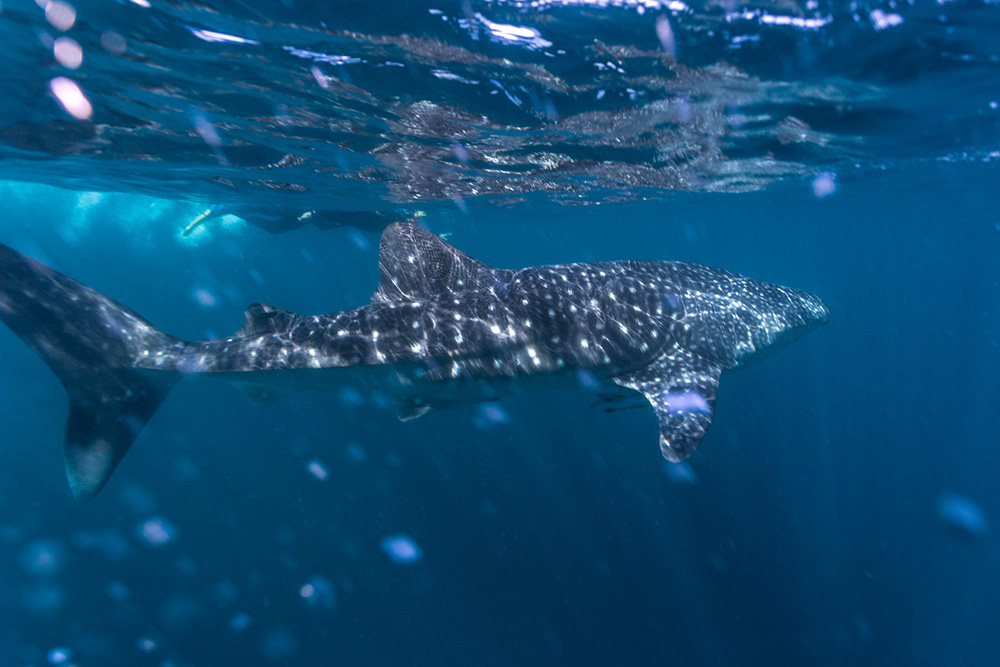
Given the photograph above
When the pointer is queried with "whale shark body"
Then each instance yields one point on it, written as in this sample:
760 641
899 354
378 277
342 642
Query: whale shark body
442 330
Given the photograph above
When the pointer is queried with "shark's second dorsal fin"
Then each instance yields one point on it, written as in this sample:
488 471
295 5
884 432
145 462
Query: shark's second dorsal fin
415 264
681 387
263 319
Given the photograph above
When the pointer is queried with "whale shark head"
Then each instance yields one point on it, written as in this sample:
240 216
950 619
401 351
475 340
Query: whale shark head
722 321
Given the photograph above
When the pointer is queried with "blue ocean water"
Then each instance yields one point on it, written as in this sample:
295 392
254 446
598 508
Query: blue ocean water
841 509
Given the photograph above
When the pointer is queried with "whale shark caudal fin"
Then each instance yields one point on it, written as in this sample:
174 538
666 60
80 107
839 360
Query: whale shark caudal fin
90 343
682 388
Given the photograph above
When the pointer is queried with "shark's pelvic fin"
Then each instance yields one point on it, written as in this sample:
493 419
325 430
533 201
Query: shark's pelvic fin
682 389
409 409
416 265
89 341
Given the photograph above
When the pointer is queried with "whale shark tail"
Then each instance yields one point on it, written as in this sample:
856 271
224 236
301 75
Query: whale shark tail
92 344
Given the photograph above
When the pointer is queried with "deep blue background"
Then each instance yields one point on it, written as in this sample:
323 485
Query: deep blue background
811 535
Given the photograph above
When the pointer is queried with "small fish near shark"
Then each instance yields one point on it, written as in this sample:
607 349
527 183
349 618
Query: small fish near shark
442 330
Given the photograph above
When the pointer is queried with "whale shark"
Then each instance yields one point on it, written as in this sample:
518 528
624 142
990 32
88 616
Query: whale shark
442 330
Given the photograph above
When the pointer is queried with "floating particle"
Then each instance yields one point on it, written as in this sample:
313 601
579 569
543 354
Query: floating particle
186 469
963 515
60 15
490 415
186 566
665 33
718 562
157 531
68 52
11 533
146 644
401 549
460 153
381 401
318 470
685 401
351 396
43 599
318 592
864 628
207 131
204 297
278 645
587 380
117 591
356 453
139 499
284 536
671 302
59 656
321 78
681 473
42 558
824 185
179 612
113 43
239 622
359 240
109 543
72 99
225 592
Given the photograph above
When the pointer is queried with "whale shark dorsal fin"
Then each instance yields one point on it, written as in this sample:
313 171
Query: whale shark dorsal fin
682 388
415 264
263 319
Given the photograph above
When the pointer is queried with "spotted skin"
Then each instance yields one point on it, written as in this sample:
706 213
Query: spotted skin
442 329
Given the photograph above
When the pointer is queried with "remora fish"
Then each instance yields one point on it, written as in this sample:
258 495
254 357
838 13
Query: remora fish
442 329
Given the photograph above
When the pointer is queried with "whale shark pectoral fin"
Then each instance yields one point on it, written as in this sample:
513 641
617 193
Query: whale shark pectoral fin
682 390
613 402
